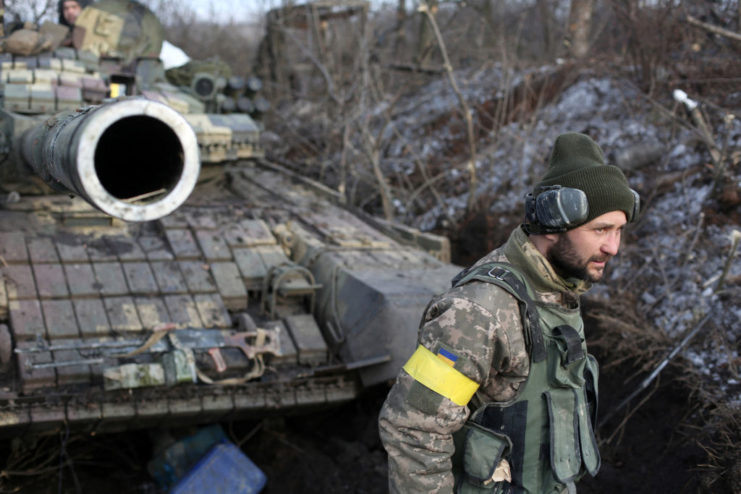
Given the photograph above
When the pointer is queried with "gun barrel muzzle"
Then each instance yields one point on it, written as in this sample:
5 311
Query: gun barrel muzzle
133 159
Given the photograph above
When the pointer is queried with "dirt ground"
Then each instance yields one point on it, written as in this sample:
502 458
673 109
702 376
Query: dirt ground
651 453
332 451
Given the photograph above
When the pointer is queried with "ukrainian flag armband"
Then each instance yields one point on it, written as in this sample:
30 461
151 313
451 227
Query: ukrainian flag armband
437 373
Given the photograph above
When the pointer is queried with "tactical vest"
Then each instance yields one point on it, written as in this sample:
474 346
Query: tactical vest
545 432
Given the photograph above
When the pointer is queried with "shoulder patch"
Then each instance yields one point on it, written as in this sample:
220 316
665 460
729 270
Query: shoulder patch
448 357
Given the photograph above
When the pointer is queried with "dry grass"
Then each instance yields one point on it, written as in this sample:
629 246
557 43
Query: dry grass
719 437
629 346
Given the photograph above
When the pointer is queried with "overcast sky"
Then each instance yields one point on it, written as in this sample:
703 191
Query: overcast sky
221 10
225 10
245 10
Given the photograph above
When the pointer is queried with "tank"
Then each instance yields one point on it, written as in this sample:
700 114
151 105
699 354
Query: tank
158 270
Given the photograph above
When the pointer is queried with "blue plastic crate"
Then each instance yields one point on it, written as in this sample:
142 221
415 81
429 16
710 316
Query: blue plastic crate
179 458
225 469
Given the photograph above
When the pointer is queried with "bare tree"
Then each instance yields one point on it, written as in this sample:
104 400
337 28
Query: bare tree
580 25
401 20
546 15
30 10
425 38
472 181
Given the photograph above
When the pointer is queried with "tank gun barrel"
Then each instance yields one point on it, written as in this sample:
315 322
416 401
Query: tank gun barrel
134 159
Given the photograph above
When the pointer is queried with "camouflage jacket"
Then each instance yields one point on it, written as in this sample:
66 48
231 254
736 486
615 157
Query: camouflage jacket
480 325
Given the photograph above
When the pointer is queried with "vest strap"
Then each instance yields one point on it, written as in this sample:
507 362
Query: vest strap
501 274
433 373
574 349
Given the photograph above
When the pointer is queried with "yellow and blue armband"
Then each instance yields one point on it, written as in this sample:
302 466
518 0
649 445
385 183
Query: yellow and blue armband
436 373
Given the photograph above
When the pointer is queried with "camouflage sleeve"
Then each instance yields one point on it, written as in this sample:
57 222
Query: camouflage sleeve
416 424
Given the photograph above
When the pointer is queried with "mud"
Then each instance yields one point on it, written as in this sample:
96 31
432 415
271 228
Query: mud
332 451
646 448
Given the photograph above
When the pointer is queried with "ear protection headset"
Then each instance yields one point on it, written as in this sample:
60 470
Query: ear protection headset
557 209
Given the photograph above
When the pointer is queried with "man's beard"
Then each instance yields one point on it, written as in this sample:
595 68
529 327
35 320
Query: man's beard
567 263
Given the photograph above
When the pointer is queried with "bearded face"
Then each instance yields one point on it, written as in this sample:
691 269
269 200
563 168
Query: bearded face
583 252
570 263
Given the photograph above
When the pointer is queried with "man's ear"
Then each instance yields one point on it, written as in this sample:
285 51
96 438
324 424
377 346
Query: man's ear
551 238
544 241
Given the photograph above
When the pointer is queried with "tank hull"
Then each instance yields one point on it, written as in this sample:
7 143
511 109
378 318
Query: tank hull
337 302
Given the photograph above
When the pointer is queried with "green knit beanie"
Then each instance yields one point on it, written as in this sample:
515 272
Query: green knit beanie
577 161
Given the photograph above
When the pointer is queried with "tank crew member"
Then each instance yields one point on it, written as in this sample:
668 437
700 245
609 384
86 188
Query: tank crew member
69 10
500 394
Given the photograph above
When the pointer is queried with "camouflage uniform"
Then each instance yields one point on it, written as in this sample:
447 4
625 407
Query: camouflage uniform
481 324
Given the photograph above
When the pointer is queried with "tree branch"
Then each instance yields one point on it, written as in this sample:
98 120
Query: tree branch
472 182
713 29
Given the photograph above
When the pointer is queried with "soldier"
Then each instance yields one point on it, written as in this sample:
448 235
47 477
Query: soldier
69 10
500 394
